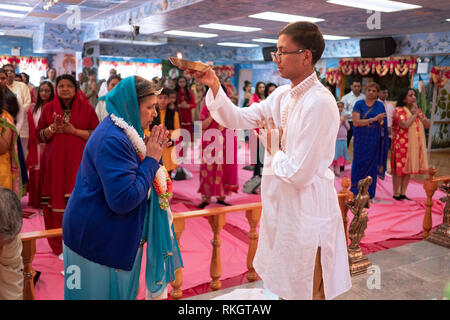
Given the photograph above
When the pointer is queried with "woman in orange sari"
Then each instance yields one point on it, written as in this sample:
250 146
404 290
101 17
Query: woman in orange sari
408 155
9 162
64 126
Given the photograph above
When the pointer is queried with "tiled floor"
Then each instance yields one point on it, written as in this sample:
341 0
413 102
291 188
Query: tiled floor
418 271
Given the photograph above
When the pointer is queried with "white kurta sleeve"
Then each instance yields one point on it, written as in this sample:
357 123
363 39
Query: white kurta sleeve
229 115
313 144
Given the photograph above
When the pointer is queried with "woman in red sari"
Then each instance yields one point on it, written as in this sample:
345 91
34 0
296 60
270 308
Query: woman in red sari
46 93
258 96
65 125
217 177
408 154
185 104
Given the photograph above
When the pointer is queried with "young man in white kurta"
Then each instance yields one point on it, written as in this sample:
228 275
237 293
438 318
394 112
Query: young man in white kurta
300 206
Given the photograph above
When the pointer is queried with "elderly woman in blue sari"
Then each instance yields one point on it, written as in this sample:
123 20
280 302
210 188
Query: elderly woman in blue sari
120 201
370 139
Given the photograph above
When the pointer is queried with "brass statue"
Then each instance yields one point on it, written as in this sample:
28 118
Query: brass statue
359 205
442 234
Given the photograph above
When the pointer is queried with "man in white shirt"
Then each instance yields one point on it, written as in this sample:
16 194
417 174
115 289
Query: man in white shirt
383 95
349 102
22 93
302 252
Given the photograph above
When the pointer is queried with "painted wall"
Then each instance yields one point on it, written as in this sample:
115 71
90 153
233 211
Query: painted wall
25 44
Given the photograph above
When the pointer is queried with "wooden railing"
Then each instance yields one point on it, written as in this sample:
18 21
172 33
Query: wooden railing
217 220
28 252
430 185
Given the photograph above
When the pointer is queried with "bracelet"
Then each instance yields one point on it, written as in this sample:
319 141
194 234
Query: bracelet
50 129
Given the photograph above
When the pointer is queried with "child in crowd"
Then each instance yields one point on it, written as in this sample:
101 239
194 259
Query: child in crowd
341 153
170 118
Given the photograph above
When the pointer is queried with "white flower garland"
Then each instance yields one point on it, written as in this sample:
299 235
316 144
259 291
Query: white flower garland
136 140
139 144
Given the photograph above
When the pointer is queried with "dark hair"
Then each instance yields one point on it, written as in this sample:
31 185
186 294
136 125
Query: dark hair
166 92
10 102
38 104
177 87
402 96
256 88
11 105
67 77
112 78
246 83
92 73
26 76
306 35
356 80
383 87
9 65
266 89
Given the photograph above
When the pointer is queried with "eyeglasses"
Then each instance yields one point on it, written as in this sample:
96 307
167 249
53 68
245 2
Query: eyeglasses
277 55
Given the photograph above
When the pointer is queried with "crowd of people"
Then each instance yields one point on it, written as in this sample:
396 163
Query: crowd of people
377 128
46 130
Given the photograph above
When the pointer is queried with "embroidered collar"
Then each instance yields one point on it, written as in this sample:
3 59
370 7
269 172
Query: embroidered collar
300 89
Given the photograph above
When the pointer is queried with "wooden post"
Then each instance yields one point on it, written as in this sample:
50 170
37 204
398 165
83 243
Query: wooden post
345 195
253 217
433 110
28 252
430 187
342 86
179 225
176 293
217 222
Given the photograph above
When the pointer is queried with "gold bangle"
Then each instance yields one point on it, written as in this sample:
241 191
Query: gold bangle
50 129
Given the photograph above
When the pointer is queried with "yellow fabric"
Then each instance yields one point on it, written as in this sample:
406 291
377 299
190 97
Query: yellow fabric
416 158
6 176
169 156
11 271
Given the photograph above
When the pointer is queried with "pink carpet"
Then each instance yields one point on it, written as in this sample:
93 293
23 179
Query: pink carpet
390 225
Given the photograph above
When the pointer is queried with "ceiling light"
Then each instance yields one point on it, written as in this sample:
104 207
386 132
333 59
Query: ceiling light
236 44
228 27
265 40
12 15
283 17
331 37
49 3
376 5
190 34
15 7
448 20
2 33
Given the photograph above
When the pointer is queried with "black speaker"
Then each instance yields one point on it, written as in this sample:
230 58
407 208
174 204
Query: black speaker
266 53
378 47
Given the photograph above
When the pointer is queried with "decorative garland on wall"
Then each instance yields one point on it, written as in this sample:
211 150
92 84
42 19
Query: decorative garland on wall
24 62
440 75
401 66
224 71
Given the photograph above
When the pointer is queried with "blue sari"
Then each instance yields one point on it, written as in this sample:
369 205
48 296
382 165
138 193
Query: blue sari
370 147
